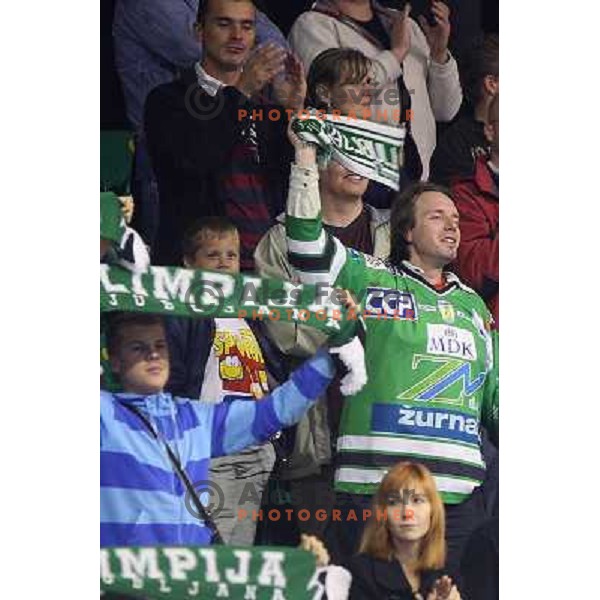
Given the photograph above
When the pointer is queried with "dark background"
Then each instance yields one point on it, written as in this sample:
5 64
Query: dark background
469 17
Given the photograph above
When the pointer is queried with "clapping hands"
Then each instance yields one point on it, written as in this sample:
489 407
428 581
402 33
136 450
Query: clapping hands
444 589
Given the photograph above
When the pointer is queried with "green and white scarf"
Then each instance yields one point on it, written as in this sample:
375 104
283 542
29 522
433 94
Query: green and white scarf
112 221
209 294
180 573
368 149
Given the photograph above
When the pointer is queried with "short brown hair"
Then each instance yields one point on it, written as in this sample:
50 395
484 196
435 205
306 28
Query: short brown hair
402 218
203 9
335 66
116 321
196 233
376 539
481 59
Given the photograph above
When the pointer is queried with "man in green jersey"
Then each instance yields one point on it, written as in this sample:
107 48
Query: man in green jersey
432 376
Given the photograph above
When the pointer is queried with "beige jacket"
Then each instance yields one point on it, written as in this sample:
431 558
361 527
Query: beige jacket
435 89
313 443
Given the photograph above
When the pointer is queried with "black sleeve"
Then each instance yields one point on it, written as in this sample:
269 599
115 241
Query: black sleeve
277 156
479 565
177 330
363 587
276 361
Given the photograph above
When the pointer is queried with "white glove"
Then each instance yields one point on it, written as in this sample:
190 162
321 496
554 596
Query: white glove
331 583
352 355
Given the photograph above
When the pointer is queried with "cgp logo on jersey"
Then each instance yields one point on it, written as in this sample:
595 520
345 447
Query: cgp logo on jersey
390 303
446 340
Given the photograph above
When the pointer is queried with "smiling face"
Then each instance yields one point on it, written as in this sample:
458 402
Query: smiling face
141 359
409 514
435 237
336 180
228 33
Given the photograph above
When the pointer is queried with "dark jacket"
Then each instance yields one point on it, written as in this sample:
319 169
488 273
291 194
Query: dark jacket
457 149
480 563
477 264
190 341
375 579
192 139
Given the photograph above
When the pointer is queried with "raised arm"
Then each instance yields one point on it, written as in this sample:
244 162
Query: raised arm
316 256
443 82
241 423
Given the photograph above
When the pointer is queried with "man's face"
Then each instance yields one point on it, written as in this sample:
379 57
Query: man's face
436 235
336 180
228 33
219 252
141 358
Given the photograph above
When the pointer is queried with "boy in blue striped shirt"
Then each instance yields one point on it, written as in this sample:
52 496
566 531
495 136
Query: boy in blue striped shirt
143 500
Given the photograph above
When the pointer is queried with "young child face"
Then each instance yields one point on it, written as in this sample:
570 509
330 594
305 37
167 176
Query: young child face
142 359
218 251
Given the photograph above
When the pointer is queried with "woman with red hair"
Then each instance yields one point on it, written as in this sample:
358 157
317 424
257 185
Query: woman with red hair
402 550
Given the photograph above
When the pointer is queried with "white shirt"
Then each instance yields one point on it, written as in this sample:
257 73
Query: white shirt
235 367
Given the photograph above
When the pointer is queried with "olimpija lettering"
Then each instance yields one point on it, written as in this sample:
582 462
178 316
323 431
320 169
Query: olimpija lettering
170 565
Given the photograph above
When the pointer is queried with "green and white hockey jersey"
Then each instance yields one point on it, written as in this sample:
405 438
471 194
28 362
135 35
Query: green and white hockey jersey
432 379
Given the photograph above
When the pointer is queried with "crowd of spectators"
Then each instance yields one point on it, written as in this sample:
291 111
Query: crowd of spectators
221 182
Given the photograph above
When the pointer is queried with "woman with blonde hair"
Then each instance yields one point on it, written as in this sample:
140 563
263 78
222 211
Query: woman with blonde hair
402 550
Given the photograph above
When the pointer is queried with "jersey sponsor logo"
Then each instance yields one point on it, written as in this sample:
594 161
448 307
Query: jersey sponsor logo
450 383
447 311
421 421
390 303
451 341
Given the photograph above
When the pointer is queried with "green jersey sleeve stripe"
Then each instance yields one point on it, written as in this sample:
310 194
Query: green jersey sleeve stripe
308 262
313 246
331 269
304 230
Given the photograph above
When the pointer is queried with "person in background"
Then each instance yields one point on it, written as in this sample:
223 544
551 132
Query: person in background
465 140
477 198
342 79
357 225
222 360
413 66
402 551
214 149
153 41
